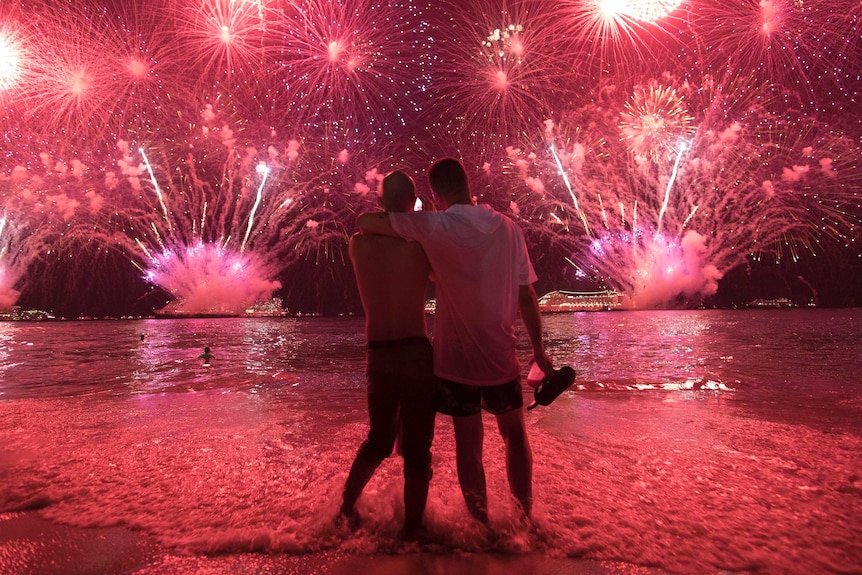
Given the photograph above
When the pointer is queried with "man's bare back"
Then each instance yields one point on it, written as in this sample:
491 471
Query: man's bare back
392 275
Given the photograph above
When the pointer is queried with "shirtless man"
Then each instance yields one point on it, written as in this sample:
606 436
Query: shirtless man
392 275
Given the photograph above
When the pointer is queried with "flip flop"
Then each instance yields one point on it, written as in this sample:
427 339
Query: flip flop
551 387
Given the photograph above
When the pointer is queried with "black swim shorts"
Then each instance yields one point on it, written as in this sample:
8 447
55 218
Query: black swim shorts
460 400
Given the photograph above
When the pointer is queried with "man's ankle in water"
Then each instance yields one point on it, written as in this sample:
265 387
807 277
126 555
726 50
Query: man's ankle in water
480 515
414 532
348 518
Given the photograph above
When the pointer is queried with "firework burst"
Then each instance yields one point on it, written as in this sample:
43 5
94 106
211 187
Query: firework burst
612 38
225 41
793 46
654 123
495 74
352 66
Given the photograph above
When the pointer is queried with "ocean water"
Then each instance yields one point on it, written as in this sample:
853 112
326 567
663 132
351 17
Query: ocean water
693 442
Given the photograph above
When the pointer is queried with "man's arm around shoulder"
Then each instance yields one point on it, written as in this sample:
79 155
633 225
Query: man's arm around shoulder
376 223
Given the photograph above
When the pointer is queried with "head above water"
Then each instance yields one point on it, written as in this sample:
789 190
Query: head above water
397 192
449 182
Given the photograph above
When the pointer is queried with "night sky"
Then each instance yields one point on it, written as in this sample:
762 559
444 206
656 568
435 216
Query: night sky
211 153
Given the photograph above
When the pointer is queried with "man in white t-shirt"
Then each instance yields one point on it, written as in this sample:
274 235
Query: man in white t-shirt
483 278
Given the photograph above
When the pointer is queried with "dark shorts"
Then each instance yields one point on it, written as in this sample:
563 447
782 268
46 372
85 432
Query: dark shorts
402 389
461 400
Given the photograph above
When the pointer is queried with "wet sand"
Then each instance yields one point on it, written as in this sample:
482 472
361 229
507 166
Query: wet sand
30 545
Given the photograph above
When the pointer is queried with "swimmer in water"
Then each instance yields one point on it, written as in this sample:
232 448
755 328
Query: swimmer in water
206 356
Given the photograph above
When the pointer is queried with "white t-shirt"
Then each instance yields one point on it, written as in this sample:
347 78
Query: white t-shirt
479 261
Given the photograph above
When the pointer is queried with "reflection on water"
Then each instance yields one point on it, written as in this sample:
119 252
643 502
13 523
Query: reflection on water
799 350
69 358
796 350
99 427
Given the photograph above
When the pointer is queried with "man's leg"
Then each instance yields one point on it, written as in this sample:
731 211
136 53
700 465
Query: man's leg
383 426
417 437
471 471
519 457
416 479
417 433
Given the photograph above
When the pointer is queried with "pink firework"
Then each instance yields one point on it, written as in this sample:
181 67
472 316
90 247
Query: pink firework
613 37
12 56
89 72
34 223
791 45
70 81
351 66
12 262
217 223
495 73
742 189
654 123
224 41
150 78
208 278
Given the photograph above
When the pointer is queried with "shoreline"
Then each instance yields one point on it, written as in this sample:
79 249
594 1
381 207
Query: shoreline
31 545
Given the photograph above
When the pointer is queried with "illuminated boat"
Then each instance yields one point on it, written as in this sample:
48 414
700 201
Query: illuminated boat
563 301
269 308
781 302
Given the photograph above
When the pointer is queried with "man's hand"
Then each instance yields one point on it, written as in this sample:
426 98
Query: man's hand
544 363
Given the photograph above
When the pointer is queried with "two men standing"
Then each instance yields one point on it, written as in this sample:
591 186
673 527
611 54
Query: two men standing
484 278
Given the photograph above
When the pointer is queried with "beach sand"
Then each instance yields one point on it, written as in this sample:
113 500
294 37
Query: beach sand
30 545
